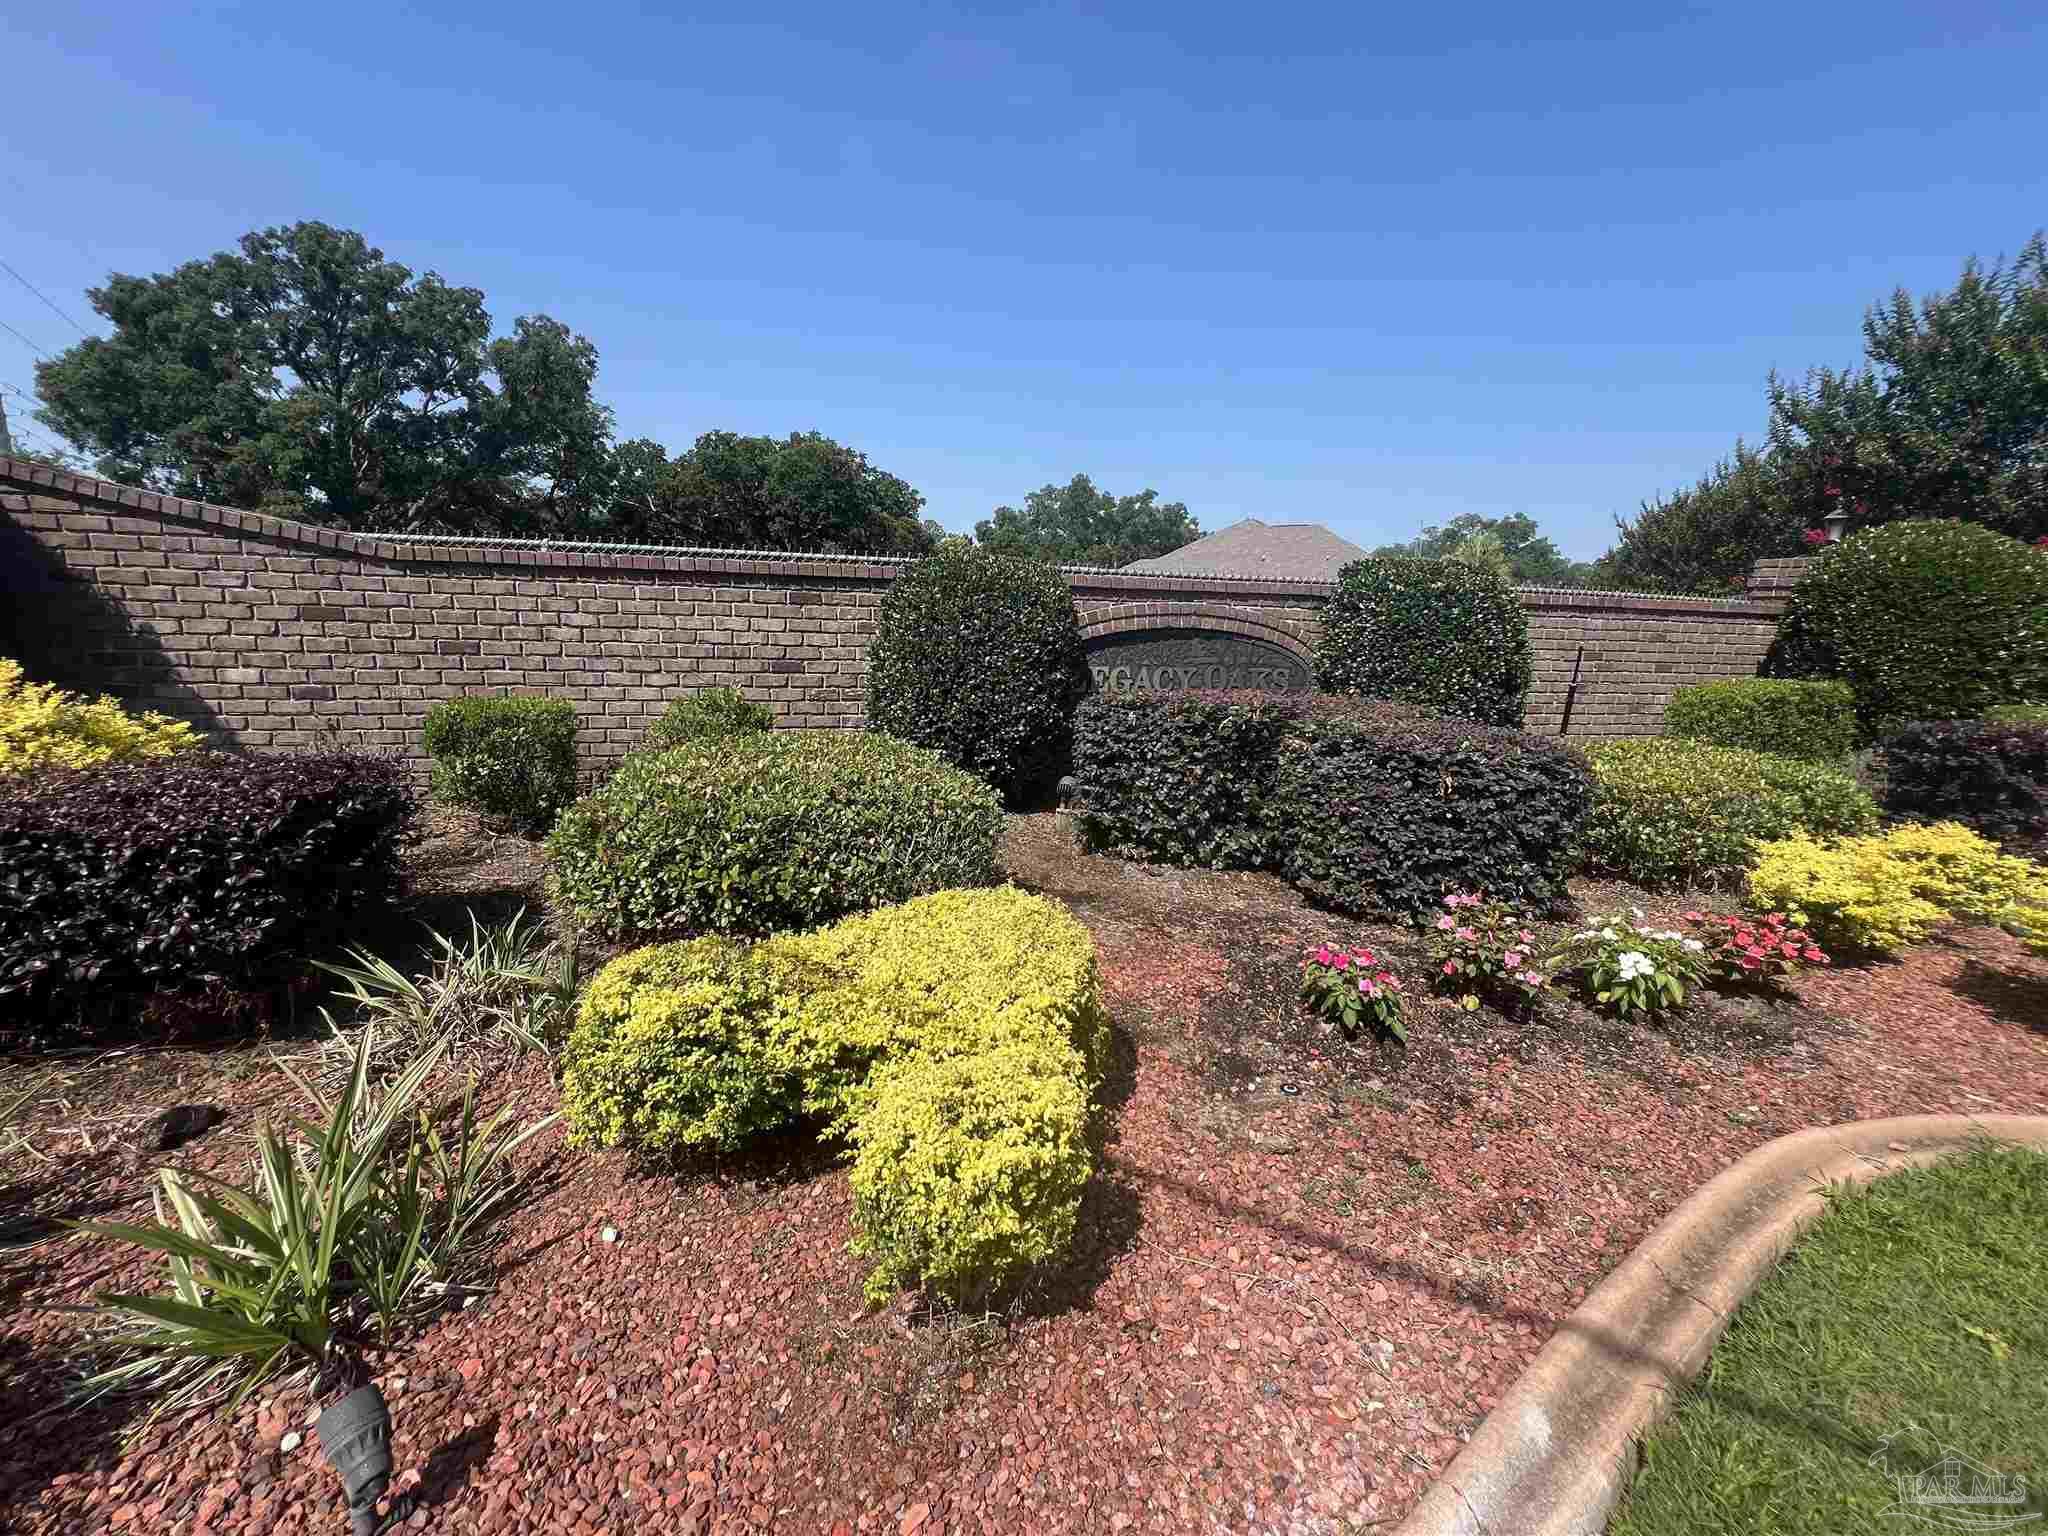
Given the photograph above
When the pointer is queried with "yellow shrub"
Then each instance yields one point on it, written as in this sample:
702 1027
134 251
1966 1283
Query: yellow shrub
954 1040
45 727
1886 891
969 1168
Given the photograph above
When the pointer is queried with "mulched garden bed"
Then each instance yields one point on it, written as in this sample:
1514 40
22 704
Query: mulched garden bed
1306 1270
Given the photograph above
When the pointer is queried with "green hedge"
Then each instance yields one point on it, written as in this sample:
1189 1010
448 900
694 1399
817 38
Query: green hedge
2018 714
1667 810
710 714
774 830
1388 814
979 658
1924 620
1366 805
1181 777
511 757
1811 720
1433 632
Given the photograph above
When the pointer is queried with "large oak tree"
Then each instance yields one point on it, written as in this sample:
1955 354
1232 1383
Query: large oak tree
306 373
1076 524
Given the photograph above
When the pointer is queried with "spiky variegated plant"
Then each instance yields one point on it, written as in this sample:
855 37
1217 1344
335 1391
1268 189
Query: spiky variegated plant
363 1216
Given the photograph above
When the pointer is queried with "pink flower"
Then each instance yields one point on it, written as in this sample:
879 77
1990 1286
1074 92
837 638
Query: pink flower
1468 934
1366 988
1341 960
1450 967
1753 953
1362 956
1526 936
1447 922
1747 963
1814 954
1692 917
1816 535
1323 955
1511 959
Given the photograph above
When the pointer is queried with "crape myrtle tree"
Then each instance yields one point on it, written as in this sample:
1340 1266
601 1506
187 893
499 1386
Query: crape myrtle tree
1947 417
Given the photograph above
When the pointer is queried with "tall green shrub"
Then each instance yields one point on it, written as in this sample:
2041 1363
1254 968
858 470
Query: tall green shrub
1924 620
775 830
1443 633
1811 720
979 659
511 757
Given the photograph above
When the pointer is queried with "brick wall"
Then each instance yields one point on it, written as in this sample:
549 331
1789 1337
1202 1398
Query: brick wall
275 634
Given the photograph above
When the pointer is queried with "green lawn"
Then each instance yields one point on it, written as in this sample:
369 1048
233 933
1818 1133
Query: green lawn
1915 1310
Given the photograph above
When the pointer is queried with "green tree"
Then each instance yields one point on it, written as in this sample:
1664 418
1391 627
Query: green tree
1948 417
1706 538
306 373
1076 524
802 492
1530 556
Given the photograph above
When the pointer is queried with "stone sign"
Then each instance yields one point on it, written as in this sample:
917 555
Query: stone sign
1175 660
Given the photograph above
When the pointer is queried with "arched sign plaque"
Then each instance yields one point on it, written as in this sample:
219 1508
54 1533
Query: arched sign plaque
1179 660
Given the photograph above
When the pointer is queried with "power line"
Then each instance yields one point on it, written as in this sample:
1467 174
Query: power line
28 395
49 302
10 330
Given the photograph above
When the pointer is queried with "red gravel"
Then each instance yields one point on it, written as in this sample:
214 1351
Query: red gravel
1285 1311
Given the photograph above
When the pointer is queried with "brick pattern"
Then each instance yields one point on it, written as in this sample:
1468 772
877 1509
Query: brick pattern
271 634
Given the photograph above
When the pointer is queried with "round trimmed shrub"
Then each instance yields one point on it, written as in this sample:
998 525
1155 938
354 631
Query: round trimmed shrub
953 1040
770 831
2018 714
1924 620
969 1169
1667 810
710 714
1437 632
1811 720
510 757
979 658
683 1045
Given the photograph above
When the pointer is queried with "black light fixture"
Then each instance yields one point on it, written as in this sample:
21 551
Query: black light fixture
1837 523
355 1436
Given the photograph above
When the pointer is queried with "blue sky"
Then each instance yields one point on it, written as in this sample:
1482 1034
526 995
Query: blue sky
1362 264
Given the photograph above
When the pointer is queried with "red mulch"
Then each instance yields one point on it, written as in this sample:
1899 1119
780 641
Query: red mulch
1305 1273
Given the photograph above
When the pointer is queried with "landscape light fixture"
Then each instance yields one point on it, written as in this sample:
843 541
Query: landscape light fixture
355 1435
1837 523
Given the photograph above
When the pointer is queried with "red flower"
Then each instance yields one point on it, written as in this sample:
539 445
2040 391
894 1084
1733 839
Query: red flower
1746 963
1814 954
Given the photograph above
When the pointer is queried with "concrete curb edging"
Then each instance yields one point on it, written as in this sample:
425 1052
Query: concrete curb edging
1553 1458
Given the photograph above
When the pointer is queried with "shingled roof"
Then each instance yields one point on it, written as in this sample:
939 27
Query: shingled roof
1281 551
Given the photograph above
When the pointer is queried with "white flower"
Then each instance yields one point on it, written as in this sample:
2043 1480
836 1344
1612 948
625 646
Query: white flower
1634 963
1636 913
1609 933
1588 934
1693 944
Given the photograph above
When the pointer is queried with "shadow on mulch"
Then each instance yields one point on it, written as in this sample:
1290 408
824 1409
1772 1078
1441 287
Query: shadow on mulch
449 1470
61 1437
2017 998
